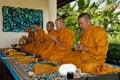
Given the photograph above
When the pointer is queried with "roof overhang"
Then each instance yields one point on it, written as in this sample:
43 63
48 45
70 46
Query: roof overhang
61 3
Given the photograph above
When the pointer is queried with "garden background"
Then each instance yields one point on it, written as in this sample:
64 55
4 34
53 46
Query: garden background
103 12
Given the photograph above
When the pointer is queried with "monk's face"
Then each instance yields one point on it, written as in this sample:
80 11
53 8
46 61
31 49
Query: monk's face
28 29
35 27
49 27
83 23
58 25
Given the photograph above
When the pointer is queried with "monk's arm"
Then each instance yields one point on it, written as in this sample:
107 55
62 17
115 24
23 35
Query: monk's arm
80 47
68 40
54 38
59 42
41 36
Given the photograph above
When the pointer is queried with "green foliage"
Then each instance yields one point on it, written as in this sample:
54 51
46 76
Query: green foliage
104 16
114 51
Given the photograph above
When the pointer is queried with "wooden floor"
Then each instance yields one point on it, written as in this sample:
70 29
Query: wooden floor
4 72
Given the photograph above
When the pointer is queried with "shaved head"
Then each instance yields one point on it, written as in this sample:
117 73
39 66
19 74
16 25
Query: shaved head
84 20
50 26
27 29
59 23
36 26
51 23
61 20
36 23
85 15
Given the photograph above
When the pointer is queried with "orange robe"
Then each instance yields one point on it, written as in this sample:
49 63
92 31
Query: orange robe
92 61
48 45
29 42
58 51
29 47
37 44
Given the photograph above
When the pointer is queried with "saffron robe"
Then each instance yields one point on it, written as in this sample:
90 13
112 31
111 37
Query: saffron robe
58 51
49 44
37 44
93 60
29 42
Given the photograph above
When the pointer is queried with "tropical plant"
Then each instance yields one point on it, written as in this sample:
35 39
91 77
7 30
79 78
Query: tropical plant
106 16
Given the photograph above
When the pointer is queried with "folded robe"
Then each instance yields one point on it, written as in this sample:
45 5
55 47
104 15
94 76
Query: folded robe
92 61
9 50
24 60
44 69
16 54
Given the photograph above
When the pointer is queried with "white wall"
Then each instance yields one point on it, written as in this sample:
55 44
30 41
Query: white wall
6 38
52 10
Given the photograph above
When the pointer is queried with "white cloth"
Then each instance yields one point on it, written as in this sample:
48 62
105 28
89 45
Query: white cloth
65 68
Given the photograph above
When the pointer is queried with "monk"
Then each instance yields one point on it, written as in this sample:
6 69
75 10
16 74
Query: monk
63 42
90 53
28 40
40 38
49 42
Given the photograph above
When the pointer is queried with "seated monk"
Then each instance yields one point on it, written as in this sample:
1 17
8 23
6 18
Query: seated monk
90 54
28 40
63 42
40 38
49 42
